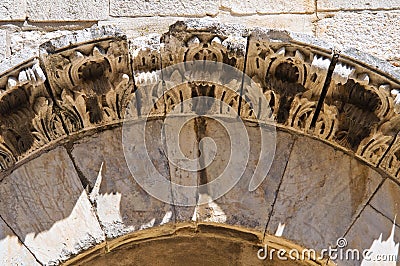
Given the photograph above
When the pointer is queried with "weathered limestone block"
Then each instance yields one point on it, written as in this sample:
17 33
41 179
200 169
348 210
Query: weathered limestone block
64 10
22 45
28 120
3 45
371 32
315 188
12 252
92 83
327 5
238 7
45 204
293 22
137 8
140 26
12 10
370 231
122 205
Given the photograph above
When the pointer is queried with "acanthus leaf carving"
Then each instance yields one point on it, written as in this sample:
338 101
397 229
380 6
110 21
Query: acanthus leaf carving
92 83
28 120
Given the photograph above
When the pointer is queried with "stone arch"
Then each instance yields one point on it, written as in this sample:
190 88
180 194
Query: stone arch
67 193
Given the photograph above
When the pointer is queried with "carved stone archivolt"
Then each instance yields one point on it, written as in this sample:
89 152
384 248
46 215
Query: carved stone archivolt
87 85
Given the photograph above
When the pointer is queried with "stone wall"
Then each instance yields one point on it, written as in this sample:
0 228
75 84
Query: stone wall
370 26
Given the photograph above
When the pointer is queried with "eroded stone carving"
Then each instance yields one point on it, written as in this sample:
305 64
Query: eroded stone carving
292 78
28 120
367 121
92 83
185 42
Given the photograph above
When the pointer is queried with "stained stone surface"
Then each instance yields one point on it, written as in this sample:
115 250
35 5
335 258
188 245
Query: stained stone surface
138 8
387 200
319 183
47 207
371 226
121 204
12 252
180 173
196 250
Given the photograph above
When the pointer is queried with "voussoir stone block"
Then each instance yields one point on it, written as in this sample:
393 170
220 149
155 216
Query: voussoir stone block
387 200
47 207
120 8
322 192
122 205
375 232
64 10
240 206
